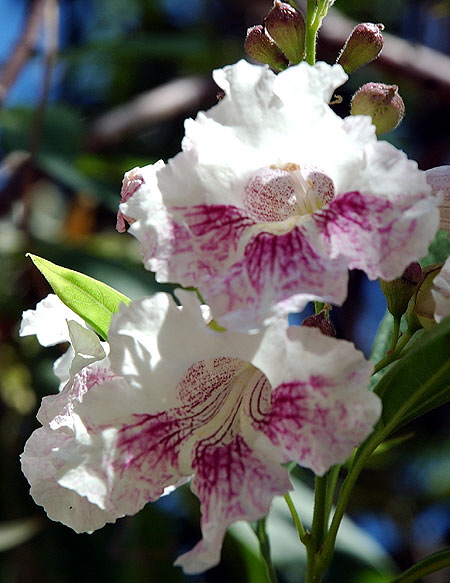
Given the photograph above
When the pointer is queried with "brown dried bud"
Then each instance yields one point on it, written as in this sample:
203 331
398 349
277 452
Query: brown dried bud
321 321
382 102
399 291
259 45
362 46
287 28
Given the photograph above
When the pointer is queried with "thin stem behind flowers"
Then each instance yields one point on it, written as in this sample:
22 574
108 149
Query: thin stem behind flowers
264 546
302 534
397 353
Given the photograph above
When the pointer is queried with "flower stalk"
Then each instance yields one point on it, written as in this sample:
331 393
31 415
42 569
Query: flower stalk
316 10
264 546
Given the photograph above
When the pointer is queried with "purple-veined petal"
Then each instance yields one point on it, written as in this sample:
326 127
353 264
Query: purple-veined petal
241 215
319 415
232 484
176 400
375 235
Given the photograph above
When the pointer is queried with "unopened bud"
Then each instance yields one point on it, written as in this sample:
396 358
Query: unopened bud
362 46
399 291
321 321
259 45
287 28
383 104
424 304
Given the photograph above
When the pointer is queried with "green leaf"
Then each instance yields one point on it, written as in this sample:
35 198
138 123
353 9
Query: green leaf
420 380
439 250
383 338
93 300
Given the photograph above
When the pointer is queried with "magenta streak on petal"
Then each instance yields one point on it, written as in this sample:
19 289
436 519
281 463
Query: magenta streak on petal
232 483
295 417
216 228
287 262
349 210
259 402
152 444
349 221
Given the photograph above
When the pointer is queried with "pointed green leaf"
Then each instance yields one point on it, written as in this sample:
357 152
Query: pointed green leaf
383 338
93 300
420 380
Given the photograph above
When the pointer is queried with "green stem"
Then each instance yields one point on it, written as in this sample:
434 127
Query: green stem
430 564
319 523
311 32
332 478
316 10
366 450
296 518
264 546
395 333
397 353
315 541
318 307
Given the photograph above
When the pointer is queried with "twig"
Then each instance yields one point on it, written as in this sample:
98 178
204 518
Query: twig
23 49
180 96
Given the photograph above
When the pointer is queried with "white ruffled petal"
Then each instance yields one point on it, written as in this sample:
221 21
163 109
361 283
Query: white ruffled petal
49 321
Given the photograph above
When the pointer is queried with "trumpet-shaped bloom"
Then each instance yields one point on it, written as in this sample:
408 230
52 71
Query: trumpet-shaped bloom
176 400
274 197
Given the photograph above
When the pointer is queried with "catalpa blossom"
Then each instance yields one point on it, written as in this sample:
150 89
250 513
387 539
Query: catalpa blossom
274 197
176 400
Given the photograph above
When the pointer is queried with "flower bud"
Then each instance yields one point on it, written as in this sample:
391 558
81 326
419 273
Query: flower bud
362 46
287 28
399 291
259 45
321 321
382 103
424 304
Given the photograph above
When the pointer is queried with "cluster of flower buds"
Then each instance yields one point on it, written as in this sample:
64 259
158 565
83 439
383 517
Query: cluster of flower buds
381 102
280 41
422 294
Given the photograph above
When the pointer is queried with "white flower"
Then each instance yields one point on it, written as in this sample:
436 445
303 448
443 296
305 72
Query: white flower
274 197
176 400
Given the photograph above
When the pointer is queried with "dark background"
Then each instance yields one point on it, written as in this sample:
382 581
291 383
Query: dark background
78 109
